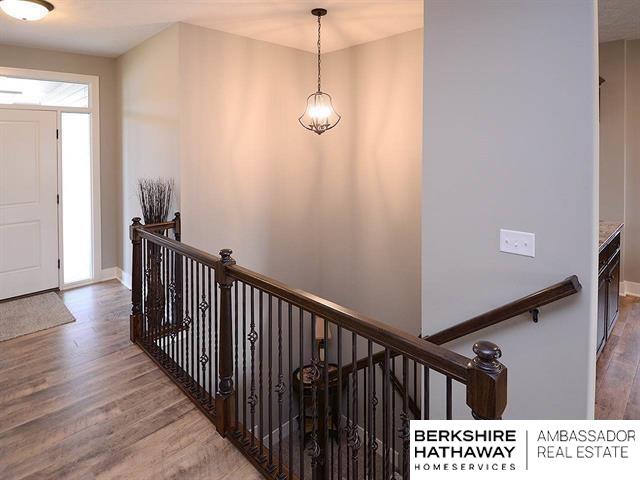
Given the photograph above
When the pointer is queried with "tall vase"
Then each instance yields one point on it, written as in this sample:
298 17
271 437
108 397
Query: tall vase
155 299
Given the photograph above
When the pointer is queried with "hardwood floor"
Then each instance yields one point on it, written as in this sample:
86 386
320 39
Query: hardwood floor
80 401
618 368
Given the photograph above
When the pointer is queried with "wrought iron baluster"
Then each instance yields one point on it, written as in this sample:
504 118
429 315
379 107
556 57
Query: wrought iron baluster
235 354
385 418
280 387
404 417
253 399
393 419
196 332
449 401
326 467
427 397
290 377
261 374
244 359
302 420
212 361
204 359
354 439
340 426
270 380
314 375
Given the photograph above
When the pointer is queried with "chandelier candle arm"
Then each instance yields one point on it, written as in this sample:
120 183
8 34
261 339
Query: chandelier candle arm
319 115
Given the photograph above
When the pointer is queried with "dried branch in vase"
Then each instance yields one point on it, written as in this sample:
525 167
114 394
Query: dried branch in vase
156 197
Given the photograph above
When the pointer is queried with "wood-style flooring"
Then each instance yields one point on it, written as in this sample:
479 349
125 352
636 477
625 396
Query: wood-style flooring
80 401
618 367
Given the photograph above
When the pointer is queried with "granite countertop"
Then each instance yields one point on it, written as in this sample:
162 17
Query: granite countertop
607 232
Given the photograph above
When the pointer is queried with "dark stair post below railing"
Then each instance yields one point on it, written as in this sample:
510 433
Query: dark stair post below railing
224 396
487 384
135 324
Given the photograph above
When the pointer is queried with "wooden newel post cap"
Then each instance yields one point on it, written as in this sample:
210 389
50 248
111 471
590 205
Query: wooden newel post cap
487 355
487 382
133 235
225 255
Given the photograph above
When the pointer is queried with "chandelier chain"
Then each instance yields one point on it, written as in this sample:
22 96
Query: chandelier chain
319 25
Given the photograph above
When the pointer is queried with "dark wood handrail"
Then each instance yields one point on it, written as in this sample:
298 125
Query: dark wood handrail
399 342
180 248
437 358
553 293
567 287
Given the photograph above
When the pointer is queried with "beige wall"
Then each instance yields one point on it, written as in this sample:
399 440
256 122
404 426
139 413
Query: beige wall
510 141
104 68
612 130
149 96
620 146
323 213
632 177
250 173
371 175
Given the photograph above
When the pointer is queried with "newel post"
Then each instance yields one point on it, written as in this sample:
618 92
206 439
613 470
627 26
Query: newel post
224 396
135 320
177 226
487 385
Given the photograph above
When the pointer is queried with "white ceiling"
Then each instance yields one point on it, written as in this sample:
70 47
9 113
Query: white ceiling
111 27
619 20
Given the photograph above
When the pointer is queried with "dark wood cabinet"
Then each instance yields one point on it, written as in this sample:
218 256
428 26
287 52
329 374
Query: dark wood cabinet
608 288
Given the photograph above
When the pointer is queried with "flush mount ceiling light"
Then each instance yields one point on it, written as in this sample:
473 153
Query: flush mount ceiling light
319 115
29 10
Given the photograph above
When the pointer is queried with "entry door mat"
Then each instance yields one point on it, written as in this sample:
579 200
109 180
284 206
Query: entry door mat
31 314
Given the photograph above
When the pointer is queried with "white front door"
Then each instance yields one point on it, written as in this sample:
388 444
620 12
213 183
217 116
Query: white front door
28 202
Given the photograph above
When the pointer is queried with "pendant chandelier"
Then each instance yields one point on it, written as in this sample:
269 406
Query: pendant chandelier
319 115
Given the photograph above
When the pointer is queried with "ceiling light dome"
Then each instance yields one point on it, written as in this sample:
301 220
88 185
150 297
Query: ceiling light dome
29 10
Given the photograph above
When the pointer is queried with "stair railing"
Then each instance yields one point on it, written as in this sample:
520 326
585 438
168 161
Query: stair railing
268 364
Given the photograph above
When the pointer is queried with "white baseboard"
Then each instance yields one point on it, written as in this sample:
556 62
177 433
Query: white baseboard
630 288
108 274
123 277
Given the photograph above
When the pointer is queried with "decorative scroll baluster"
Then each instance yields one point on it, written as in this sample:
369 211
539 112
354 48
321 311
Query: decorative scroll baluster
187 323
253 337
261 456
324 411
280 387
354 437
244 359
313 449
204 358
212 361
386 381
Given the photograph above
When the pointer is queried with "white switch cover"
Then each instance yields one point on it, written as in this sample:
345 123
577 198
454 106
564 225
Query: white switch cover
519 243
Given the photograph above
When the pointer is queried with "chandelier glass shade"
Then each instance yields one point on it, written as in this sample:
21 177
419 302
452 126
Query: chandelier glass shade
319 116
28 10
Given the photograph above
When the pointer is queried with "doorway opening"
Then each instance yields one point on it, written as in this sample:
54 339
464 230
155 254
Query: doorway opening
74 101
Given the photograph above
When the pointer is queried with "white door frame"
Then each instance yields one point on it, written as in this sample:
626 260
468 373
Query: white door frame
93 109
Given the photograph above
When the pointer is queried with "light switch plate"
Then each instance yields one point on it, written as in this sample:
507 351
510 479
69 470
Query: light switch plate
518 243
